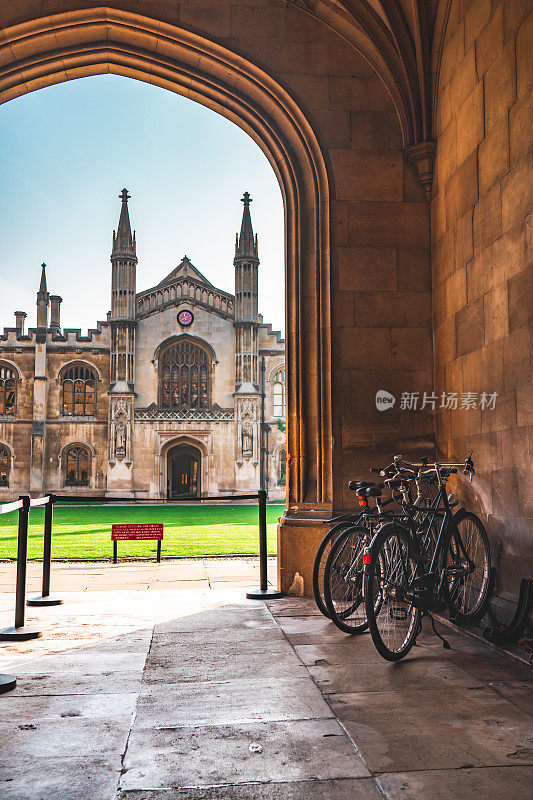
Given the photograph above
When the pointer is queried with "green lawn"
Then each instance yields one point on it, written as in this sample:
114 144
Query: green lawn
84 532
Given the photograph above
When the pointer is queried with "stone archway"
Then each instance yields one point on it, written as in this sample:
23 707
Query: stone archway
95 41
184 472
356 218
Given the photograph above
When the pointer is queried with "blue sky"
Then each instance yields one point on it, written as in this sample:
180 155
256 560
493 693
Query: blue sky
65 154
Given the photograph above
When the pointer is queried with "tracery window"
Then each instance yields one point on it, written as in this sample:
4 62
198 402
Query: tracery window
77 466
79 391
282 467
278 393
8 391
183 376
5 466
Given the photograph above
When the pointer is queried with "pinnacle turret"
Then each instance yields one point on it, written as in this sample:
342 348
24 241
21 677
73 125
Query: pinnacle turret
123 242
246 243
42 294
43 299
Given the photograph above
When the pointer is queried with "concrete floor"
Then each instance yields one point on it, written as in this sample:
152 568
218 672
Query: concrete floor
163 682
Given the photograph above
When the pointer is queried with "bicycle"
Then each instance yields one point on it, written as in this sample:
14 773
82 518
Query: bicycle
343 570
413 566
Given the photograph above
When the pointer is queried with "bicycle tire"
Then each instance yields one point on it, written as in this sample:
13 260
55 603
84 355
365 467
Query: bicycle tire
352 590
320 562
390 548
467 598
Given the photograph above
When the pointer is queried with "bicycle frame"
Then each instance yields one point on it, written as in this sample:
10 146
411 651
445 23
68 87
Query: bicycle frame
440 506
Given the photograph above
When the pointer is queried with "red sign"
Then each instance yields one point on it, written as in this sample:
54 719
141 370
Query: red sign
148 531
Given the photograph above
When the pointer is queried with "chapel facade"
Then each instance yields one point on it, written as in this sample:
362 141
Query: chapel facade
179 393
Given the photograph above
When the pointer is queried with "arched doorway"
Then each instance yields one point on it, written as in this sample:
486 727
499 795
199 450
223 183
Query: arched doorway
184 465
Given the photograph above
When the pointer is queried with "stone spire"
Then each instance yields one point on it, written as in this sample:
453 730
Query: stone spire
122 362
246 263
43 299
123 288
123 242
246 244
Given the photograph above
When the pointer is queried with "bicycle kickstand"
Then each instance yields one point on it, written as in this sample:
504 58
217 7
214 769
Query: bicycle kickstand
445 642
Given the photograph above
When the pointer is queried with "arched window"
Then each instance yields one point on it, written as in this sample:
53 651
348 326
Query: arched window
184 376
278 393
79 391
282 467
5 466
77 461
8 391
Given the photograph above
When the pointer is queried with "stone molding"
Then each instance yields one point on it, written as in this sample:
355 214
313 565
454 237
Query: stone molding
193 292
155 414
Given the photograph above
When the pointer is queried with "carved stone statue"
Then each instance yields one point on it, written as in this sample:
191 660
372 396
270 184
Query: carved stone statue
120 437
247 439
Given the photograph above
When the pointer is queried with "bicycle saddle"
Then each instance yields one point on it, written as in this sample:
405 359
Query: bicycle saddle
373 491
355 485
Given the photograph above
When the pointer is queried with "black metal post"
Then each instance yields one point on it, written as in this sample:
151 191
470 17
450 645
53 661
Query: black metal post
262 427
47 549
263 592
115 552
21 632
22 561
267 434
45 599
159 551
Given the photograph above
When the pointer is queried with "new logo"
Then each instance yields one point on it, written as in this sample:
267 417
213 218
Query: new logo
384 400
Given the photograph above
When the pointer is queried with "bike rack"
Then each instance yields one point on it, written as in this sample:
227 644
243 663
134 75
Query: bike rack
514 630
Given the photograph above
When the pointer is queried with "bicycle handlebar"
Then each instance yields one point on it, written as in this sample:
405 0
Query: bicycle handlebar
405 470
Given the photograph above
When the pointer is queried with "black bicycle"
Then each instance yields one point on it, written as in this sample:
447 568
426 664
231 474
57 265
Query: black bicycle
338 570
341 523
428 559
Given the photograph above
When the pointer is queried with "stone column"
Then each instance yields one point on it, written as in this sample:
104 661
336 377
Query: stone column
20 316
55 310
39 416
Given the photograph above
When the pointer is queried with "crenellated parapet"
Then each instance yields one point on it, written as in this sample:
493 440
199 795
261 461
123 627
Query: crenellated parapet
74 337
70 337
268 337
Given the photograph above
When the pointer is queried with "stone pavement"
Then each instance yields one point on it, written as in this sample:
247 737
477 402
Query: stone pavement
163 682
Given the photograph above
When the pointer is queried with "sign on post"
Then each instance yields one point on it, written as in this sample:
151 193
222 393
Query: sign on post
140 532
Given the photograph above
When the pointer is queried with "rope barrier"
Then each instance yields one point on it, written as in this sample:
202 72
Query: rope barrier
6 508
39 501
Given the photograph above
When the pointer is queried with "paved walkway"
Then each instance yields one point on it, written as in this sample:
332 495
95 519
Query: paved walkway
165 683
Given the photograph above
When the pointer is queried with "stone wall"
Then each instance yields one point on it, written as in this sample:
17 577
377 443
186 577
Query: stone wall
16 433
152 331
482 273
62 431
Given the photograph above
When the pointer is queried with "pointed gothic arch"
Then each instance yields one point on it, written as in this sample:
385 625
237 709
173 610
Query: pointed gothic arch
99 40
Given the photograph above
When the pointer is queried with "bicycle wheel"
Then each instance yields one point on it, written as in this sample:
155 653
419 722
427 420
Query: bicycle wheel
343 580
467 569
392 619
319 564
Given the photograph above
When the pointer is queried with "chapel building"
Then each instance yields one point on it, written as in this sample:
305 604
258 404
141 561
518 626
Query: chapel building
179 393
